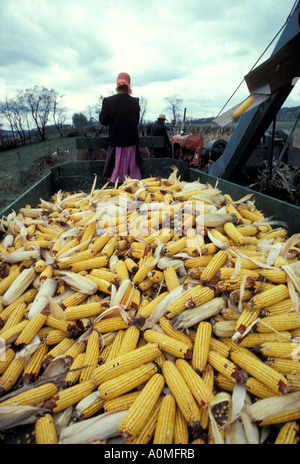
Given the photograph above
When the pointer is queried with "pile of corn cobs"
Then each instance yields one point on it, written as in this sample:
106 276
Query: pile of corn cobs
159 311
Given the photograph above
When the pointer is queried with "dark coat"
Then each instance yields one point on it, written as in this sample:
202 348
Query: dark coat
121 113
158 128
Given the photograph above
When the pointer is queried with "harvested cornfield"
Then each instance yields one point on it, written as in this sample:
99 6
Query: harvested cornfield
158 311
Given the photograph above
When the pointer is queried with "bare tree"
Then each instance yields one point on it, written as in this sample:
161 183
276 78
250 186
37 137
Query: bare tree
40 101
143 109
6 110
174 105
59 114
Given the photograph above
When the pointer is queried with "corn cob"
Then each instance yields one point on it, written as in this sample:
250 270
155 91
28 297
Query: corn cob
259 370
91 356
147 432
200 391
45 431
34 364
182 394
33 396
218 260
268 297
164 430
181 432
69 396
31 329
201 346
121 402
194 297
138 413
226 367
124 363
288 434
11 374
168 344
130 340
126 382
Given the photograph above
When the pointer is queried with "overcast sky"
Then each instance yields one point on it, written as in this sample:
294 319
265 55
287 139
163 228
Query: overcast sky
199 50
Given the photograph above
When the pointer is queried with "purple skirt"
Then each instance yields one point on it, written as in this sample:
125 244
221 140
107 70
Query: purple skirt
125 164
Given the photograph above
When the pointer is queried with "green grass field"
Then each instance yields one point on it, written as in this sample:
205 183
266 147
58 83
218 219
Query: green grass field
36 160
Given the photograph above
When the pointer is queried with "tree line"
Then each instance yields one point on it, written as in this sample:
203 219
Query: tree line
32 109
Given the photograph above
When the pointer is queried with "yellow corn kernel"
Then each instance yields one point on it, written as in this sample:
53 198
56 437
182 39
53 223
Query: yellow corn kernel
88 264
7 281
115 346
279 322
139 412
199 389
145 267
208 379
110 324
224 383
130 340
268 297
288 434
73 300
11 375
74 371
253 339
122 270
121 402
166 326
168 344
287 350
258 389
201 346
182 394
58 350
47 273
171 278
80 311
146 309
87 235
15 317
285 366
173 247
32 396
34 365
226 367
181 432
218 260
40 265
274 275
233 232
164 430
6 359
31 329
126 382
147 432
109 247
69 396
91 409
194 297
121 364
68 246
261 371
45 431
91 356
72 351
67 262
246 319
216 345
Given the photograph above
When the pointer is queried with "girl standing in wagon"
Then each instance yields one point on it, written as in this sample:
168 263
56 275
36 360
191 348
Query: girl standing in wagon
121 113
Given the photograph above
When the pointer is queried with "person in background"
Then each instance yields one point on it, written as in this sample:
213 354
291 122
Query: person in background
159 128
121 114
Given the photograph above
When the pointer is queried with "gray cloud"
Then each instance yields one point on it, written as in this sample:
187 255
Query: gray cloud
197 49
